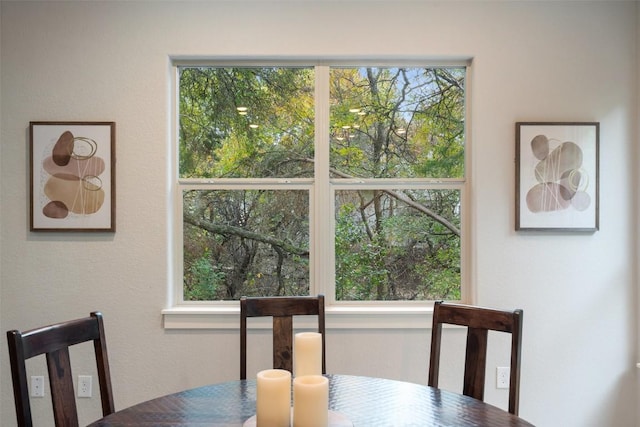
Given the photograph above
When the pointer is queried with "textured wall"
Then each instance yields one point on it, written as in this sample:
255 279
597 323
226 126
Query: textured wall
547 61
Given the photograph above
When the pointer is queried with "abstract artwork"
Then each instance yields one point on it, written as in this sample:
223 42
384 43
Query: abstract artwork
557 176
72 176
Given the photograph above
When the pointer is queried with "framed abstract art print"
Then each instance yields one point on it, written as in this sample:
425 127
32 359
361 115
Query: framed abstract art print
557 176
72 176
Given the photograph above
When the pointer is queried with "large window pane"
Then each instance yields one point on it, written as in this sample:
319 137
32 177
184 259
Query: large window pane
246 122
397 122
397 245
245 242
247 165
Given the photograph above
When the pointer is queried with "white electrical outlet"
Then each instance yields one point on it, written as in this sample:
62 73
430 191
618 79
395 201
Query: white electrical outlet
84 385
37 386
502 377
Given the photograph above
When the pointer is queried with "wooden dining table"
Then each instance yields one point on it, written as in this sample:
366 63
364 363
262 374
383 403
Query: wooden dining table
363 401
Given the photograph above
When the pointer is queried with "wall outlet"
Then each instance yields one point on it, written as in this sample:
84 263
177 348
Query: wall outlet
502 377
37 386
84 385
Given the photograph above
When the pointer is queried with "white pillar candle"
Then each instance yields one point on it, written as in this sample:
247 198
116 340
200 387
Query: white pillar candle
307 354
310 401
273 398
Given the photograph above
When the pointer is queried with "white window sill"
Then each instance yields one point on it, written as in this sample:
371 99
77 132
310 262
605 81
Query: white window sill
337 317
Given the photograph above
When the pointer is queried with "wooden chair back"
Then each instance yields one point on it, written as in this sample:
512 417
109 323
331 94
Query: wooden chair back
54 342
282 309
478 321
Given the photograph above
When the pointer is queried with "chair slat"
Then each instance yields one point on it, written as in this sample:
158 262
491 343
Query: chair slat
283 342
282 309
475 363
61 383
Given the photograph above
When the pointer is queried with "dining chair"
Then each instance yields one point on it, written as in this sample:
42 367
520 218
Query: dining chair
282 310
54 342
479 321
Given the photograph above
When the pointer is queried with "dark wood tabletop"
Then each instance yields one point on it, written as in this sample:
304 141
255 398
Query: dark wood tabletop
367 402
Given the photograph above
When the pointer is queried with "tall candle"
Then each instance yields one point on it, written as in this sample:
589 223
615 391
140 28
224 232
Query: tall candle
307 354
273 398
310 401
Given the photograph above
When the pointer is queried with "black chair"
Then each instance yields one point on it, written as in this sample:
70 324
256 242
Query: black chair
282 309
479 321
54 341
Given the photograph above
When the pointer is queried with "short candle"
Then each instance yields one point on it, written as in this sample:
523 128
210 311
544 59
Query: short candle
310 401
307 354
273 398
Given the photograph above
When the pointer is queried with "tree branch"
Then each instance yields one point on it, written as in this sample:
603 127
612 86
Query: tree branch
417 206
240 232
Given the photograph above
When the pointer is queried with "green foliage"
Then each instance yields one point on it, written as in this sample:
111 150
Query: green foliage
410 257
220 109
386 123
359 273
403 123
203 281
258 238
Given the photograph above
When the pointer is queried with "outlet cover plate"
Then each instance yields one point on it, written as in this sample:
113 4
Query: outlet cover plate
37 386
84 385
502 377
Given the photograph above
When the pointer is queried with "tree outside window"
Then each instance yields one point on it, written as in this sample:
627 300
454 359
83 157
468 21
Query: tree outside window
247 169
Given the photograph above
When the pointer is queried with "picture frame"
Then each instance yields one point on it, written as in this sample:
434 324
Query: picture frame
557 182
72 176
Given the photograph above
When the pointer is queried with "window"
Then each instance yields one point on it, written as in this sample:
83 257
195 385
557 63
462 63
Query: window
343 180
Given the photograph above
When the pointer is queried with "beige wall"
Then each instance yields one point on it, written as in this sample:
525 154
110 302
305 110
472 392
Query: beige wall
547 61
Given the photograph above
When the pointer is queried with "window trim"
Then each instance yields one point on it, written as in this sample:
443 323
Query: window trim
337 317
180 314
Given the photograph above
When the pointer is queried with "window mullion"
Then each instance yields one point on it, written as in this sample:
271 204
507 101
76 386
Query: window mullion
321 214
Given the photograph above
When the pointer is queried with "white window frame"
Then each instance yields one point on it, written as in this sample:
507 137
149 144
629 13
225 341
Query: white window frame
180 314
